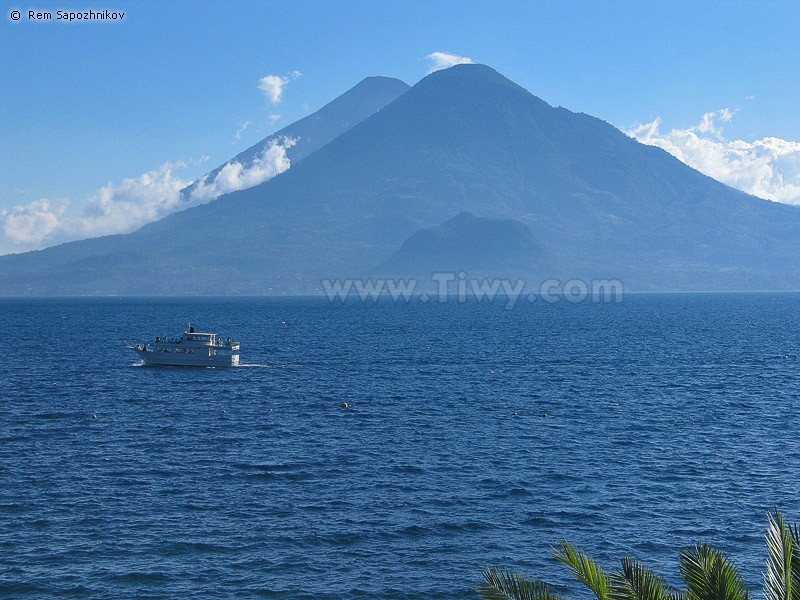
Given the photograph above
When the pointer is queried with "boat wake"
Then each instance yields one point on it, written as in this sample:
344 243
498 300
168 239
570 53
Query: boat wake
268 366
258 365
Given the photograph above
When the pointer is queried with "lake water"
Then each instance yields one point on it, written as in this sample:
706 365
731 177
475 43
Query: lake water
669 419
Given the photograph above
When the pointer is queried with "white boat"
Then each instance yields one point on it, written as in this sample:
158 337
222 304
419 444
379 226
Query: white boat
192 349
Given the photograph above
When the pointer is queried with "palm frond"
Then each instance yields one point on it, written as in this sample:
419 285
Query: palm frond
503 584
782 577
709 575
637 582
584 569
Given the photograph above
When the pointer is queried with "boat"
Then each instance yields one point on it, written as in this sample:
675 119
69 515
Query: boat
192 349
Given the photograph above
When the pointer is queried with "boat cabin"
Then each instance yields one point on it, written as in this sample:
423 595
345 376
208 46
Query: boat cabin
203 338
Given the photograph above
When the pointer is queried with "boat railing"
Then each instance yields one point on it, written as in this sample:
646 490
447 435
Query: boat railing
216 343
227 345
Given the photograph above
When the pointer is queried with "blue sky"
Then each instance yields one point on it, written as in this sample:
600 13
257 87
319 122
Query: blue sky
85 105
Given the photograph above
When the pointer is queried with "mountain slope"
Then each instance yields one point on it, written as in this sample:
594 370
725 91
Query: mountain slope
462 139
311 133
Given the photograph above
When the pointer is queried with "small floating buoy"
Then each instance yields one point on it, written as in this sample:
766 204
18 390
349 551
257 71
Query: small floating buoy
223 410
344 405
270 410
515 414
544 415
94 416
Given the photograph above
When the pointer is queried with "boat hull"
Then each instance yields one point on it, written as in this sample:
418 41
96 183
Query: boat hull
169 359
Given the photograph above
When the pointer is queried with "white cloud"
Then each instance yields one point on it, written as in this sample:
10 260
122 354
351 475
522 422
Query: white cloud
274 118
768 168
443 60
240 131
128 206
235 176
133 203
23 227
112 209
272 85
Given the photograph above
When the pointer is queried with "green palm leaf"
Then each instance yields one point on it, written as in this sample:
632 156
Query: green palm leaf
584 569
502 584
709 575
637 582
782 577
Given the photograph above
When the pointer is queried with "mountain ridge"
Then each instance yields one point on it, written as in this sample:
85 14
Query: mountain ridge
313 131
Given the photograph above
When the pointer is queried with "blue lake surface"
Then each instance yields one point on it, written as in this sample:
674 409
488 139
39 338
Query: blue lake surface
669 419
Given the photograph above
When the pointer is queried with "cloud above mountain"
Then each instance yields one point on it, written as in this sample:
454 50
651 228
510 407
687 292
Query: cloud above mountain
135 202
23 227
272 85
112 209
443 60
235 176
768 168
240 131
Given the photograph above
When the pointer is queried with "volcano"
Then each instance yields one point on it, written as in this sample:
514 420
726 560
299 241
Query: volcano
462 139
